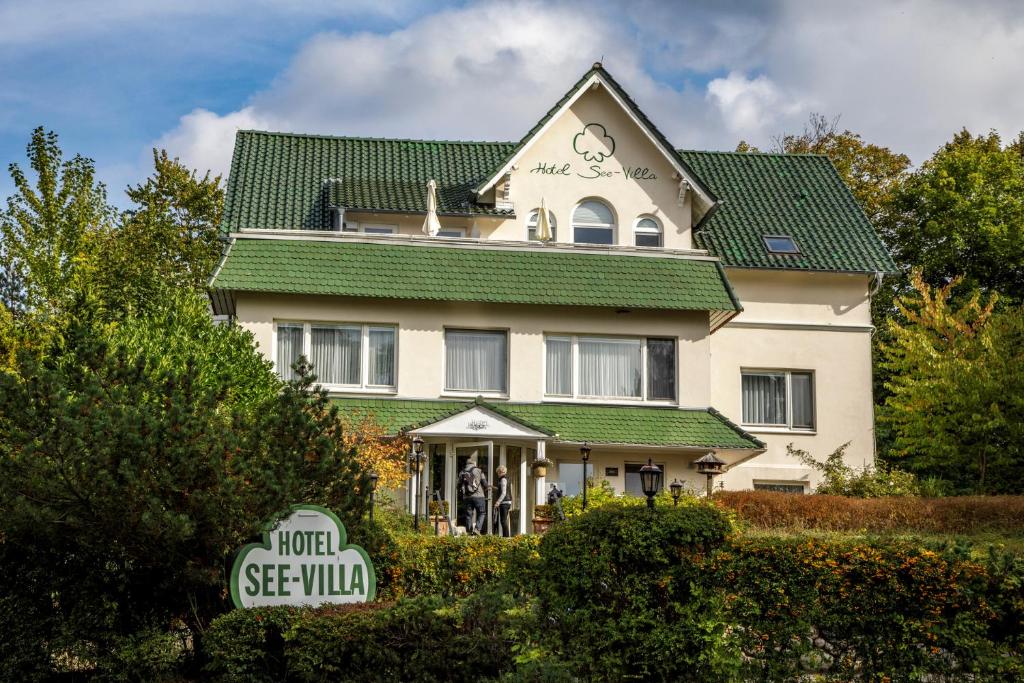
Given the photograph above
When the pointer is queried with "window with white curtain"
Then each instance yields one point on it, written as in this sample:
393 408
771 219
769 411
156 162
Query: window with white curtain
349 356
531 225
476 360
589 367
593 223
289 349
647 232
778 398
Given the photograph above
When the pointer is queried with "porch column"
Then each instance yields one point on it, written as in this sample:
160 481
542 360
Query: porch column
541 484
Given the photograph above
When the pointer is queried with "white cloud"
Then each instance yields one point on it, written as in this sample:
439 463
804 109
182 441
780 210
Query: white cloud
751 106
904 74
204 140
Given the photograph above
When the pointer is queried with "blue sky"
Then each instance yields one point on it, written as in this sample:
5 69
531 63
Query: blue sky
116 77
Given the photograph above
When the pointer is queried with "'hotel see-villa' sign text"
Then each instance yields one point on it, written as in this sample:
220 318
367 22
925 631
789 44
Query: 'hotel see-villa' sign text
303 560
595 145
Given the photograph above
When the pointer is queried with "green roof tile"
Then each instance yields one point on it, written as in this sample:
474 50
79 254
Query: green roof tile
573 423
799 195
345 267
281 181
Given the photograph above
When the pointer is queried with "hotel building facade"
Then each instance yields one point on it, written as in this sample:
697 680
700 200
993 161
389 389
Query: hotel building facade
674 303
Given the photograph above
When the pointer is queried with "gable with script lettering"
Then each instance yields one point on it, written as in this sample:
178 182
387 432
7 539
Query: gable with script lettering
596 149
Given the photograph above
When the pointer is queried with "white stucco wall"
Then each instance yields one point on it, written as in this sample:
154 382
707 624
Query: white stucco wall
800 321
421 327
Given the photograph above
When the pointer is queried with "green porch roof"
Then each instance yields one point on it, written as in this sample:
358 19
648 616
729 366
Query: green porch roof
799 195
640 426
344 266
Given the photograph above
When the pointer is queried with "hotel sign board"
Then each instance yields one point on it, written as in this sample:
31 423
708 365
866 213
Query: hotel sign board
304 560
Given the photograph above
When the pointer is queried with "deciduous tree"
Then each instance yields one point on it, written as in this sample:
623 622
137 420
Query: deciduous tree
956 404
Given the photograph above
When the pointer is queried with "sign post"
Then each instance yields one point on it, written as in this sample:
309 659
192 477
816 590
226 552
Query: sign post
304 560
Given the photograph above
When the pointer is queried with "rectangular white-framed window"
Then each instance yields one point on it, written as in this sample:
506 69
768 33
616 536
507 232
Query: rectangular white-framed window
782 399
797 487
370 228
343 356
590 367
476 361
451 232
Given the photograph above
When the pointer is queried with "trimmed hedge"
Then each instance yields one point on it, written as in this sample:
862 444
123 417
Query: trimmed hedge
449 566
418 639
953 515
618 593
887 610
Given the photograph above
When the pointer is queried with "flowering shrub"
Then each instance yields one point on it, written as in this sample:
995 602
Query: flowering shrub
954 515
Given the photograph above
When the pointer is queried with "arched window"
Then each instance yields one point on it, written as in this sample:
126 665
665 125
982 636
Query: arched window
593 223
531 226
647 232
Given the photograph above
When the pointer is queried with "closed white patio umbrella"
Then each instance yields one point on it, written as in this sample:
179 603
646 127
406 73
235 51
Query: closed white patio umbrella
431 226
543 223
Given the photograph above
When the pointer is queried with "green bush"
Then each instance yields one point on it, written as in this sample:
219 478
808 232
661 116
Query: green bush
850 610
418 639
839 479
618 595
603 493
452 566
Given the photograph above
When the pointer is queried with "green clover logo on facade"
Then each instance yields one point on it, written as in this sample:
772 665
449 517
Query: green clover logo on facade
304 559
597 146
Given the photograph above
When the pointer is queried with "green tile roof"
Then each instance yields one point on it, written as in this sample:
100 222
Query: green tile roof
346 267
281 181
573 423
799 195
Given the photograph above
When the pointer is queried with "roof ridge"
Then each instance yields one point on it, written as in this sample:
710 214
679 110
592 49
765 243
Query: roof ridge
323 136
788 155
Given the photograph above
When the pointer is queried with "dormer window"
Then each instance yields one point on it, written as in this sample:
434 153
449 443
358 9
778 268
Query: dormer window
593 223
531 226
647 232
780 244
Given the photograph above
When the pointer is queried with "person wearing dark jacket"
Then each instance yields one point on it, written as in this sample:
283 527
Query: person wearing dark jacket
473 488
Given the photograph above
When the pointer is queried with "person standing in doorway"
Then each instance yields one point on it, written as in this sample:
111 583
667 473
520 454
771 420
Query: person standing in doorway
502 502
473 489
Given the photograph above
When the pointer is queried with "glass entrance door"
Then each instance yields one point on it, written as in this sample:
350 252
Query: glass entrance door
483 453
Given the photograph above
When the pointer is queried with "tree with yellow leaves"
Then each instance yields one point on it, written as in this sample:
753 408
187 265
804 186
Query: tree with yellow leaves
376 450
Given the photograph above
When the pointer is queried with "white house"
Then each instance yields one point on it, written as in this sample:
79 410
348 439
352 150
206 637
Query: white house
684 302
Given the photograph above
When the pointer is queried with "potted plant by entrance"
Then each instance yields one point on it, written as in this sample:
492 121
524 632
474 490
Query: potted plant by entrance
543 518
439 516
540 466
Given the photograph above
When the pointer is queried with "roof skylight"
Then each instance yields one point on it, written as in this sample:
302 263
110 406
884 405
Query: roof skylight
780 244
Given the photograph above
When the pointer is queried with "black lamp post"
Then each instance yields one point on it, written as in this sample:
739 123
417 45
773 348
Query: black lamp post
650 481
676 487
417 461
585 454
373 489
710 465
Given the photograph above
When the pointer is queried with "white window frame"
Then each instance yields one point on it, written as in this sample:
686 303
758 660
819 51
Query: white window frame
361 227
781 482
613 226
364 357
788 426
444 362
531 223
576 397
461 235
659 229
